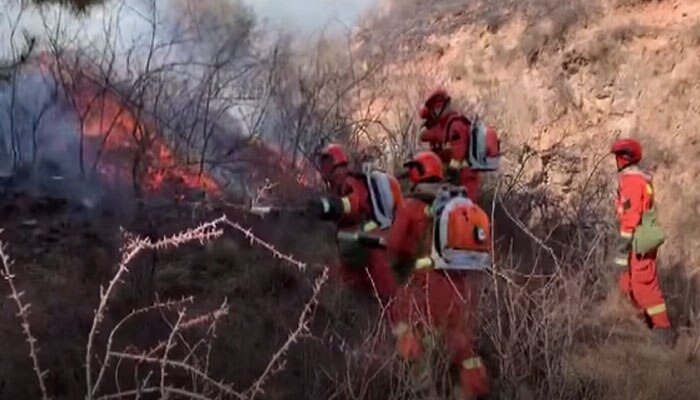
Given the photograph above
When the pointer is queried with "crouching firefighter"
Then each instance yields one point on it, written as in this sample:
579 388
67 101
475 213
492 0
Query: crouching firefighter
466 147
439 247
639 238
362 203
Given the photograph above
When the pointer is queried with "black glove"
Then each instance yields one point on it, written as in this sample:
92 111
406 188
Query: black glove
622 251
621 263
325 208
452 175
402 270
371 241
623 244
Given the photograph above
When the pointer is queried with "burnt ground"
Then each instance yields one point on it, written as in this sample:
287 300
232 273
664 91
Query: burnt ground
62 255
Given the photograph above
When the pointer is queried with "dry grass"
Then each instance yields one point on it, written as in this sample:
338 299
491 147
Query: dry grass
552 326
566 333
167 365
632 3
694 34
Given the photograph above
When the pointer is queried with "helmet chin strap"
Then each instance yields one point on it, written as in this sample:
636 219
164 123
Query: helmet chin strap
442 110
434 116
621 167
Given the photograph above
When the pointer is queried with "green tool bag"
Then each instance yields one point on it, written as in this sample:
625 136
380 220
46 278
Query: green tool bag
352 253
649 235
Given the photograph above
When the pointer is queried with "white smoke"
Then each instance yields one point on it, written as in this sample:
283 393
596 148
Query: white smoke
313 16
179 45
198 66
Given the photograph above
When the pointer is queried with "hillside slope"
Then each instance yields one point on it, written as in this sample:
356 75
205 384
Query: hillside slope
560 81
567 81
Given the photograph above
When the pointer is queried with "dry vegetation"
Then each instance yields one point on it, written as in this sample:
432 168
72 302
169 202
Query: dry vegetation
559 80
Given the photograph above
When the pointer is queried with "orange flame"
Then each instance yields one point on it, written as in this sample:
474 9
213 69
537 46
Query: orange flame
106 121
122 135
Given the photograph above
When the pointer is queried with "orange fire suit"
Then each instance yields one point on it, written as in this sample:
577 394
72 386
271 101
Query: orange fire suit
438 299
639 280
449 138
356 215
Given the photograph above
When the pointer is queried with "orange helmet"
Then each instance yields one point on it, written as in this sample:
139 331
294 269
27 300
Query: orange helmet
627 152
438 96
331 157
424 167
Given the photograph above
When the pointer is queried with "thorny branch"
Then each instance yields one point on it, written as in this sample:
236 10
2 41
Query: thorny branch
164 360
181 365
205 232
110 341
23 314
276 363
133 246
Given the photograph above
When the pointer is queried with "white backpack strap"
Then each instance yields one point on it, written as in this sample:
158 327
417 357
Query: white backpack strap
380 194
478 159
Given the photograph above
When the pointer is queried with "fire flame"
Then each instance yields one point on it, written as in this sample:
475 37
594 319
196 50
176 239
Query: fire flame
123 137
117 131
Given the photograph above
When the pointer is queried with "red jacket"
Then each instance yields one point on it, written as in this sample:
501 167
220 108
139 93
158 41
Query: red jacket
356 204
357 207
448 147
453 147
635 195
409 237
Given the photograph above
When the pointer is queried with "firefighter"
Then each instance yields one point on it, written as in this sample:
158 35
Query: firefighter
465 147
638 276
361 203
440 285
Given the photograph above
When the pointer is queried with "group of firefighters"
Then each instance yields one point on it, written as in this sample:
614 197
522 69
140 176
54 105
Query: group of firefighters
426 253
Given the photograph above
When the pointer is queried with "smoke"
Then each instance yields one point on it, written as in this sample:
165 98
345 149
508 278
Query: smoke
36 151
182 63
314 16
198 71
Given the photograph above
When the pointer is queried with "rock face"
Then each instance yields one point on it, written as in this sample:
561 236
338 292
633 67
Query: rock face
565 78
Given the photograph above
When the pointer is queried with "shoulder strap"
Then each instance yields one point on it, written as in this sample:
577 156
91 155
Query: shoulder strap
453 119
648 184
380 195
477 133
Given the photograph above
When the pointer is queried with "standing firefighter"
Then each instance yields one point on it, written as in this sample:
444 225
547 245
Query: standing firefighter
639 239
439 245
362 204
465 147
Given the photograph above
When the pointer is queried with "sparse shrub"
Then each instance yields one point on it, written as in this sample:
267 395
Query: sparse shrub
494 21
694 34
627 32
632 3
549 22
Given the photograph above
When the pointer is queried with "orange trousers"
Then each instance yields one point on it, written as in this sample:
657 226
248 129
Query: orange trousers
447 302
641 284
377 278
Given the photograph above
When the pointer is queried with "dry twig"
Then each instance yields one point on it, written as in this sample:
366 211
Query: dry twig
23 314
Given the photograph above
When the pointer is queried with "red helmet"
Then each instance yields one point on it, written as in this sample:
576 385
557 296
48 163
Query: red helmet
424 167
331 157
438 96
627 152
